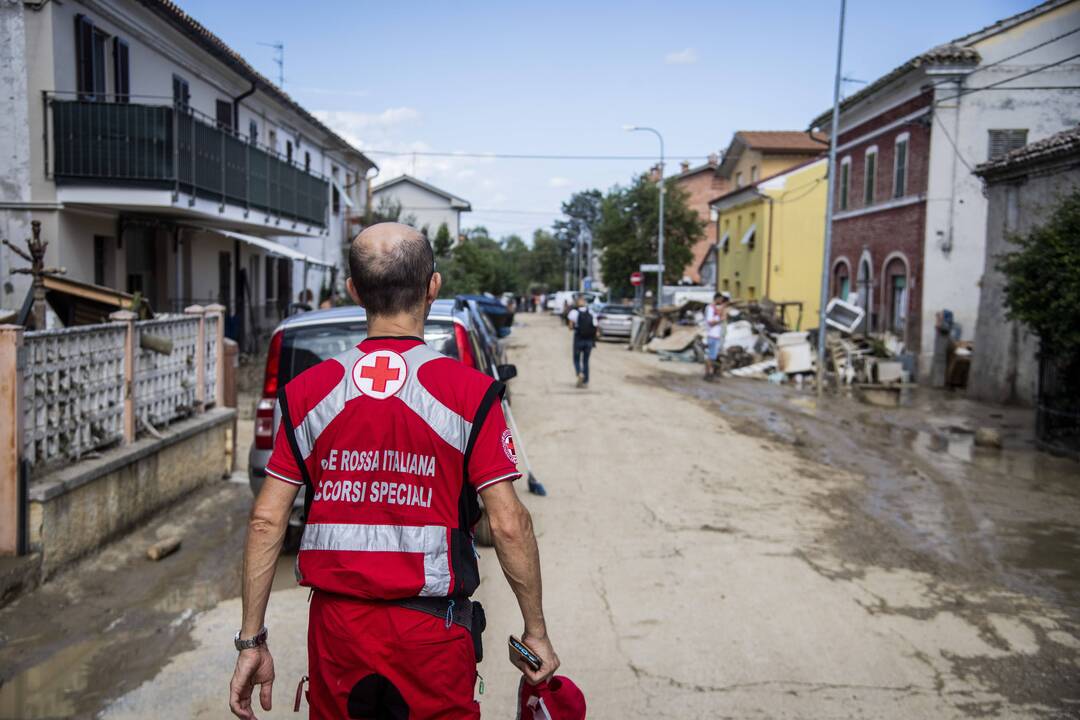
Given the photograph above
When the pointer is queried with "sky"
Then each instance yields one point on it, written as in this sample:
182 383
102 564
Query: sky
563 78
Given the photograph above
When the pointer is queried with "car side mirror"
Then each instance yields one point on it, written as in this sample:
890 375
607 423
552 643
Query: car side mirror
507 372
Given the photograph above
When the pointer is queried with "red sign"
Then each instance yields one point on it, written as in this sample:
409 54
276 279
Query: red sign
636 278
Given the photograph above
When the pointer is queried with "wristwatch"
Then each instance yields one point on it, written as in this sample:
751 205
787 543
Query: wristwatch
253 642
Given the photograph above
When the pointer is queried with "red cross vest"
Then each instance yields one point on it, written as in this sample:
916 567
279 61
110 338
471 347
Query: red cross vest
389 509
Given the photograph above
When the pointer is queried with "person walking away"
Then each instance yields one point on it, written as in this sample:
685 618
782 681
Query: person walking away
393 442
583 325
716 324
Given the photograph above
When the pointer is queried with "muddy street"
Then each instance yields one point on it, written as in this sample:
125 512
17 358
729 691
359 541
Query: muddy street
724 550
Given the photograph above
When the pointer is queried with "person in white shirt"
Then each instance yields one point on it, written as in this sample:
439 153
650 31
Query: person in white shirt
716 322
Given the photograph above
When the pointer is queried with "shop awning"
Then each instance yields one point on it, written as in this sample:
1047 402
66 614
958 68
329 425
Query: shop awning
344 195
272 247
749 235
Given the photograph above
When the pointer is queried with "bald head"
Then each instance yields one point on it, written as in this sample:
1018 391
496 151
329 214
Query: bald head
391 267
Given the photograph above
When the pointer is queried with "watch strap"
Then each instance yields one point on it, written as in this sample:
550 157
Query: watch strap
253 642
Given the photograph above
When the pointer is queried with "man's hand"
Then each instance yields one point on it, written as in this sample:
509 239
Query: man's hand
253 667
541 646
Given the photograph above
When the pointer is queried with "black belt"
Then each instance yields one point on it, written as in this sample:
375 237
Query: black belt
467 613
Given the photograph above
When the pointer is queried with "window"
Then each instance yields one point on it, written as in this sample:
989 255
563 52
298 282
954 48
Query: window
738 179
288 150
896 287
253 132
727 285
738 289
870 177
845 182
1003 142
841 281
272 140
750 292
900 166
99 259
335 198
268 280
753 173
307 162
223 114
89 59
181 93
121 71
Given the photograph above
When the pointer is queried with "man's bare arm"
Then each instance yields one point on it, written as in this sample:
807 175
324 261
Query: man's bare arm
266 532
515 545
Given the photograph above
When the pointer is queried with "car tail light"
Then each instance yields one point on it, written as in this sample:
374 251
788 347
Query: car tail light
264 411
464 347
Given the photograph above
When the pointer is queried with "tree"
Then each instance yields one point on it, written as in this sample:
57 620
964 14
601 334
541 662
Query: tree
443 242
627 232
388 210
1042 287
545 263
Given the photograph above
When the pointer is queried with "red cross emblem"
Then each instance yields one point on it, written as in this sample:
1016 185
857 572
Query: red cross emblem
380 374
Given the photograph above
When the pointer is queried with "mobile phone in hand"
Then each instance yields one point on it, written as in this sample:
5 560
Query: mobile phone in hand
530 658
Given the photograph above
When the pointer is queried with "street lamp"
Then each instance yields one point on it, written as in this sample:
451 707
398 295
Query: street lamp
660 237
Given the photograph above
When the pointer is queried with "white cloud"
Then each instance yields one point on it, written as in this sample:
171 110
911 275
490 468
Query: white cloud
362 128
681 57
558 182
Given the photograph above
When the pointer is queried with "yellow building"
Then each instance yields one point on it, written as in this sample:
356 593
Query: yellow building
771 240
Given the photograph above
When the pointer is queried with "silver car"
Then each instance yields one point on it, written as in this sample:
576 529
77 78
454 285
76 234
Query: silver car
614 321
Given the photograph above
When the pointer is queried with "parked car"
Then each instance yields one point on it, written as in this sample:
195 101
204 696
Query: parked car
555 302
498 314
304 340
614 321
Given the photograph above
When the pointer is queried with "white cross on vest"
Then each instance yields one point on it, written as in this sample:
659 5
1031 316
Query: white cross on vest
380 374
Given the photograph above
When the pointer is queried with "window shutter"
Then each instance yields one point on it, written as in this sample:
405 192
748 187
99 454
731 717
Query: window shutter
84 56
121 70
1002 142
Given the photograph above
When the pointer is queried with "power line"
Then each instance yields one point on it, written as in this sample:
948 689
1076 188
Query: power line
1017 54
968 91
522 156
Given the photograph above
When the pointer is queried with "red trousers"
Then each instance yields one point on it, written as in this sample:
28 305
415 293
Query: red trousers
378 661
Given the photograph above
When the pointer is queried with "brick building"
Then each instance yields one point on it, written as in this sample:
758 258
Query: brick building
702 184
909 223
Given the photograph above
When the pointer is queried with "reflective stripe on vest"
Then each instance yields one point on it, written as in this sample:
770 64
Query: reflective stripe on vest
429 540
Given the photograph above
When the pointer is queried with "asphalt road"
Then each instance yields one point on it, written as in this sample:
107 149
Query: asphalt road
706 554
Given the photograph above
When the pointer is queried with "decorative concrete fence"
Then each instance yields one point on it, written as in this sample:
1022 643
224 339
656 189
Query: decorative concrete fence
67 395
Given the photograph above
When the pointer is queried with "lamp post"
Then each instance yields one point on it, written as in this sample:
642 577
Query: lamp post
831 174
660 236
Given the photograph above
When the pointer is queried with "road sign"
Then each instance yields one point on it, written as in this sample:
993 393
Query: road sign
636 278
651 267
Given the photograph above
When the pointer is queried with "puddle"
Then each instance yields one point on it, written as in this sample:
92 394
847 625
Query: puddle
48 690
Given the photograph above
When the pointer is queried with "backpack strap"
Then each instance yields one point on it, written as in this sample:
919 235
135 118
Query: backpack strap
495 391
290 435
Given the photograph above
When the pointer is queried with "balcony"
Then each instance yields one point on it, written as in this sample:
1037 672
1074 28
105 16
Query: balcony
136 145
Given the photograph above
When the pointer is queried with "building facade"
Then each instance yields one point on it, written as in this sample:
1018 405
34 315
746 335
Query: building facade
701 184
159 162
772 235
1022 188
422 204
909 224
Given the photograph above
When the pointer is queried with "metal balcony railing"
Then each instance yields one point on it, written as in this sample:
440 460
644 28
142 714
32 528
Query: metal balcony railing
159 146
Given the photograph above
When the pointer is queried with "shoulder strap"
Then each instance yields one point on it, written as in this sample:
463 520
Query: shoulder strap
495 391
290 435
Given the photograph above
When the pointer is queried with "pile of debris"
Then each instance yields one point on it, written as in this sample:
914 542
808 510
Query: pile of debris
759 344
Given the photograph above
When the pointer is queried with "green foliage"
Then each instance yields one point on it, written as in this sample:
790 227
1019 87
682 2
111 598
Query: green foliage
627 232
1042 283
388 210
545 263
443 242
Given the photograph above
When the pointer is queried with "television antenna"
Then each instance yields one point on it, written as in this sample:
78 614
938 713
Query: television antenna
279 60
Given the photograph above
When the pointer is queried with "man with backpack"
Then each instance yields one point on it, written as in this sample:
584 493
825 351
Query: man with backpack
583 324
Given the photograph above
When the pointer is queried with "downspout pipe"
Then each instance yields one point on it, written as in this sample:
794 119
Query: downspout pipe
768 250
236 107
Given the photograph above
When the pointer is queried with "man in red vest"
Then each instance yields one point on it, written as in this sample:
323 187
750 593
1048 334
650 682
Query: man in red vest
393 442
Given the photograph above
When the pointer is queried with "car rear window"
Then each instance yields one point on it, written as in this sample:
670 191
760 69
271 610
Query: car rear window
304 347
618 310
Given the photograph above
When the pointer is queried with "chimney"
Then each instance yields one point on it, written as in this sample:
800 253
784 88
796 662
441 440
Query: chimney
654 173
685 164
714 159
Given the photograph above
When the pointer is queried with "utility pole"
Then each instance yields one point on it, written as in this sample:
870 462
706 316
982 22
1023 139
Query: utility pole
279 60
831 175
660 232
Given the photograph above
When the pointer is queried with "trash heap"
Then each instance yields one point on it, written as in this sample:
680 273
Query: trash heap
759 344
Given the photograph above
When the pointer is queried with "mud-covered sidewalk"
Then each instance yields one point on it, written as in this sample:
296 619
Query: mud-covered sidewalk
732 550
